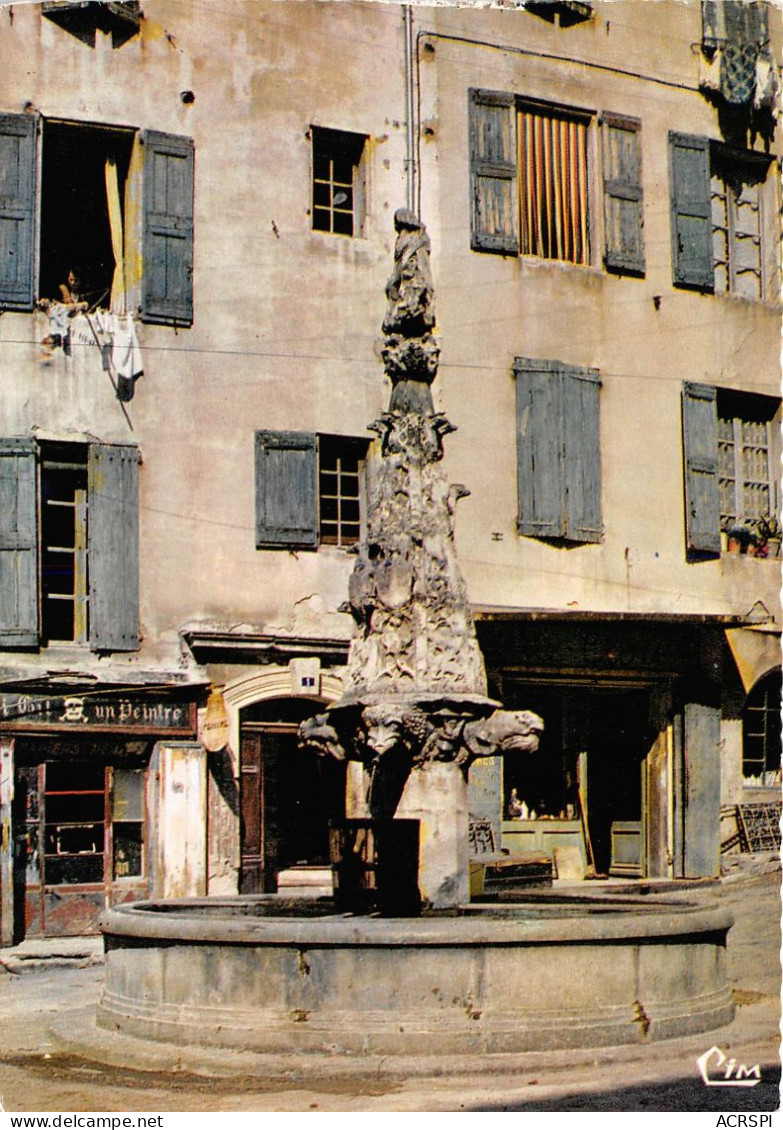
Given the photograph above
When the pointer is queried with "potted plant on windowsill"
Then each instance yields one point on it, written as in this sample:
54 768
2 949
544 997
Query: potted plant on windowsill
767 543
741 534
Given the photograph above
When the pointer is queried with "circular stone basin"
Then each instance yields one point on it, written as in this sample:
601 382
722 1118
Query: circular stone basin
270 974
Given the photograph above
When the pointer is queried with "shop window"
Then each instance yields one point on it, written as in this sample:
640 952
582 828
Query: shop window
86 537
338 181
761 734
127 823
530 181
309 490
721 239
91 179
731 452
558 451
74 823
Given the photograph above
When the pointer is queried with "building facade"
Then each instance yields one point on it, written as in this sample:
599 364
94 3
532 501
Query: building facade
195 235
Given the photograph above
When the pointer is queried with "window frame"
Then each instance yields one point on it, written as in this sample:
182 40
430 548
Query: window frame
288 489
158 234
768 687
496 181
704 526
112 548
692 210
351 147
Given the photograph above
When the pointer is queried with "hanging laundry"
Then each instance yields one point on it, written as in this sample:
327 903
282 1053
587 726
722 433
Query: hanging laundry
126 355
59 335
765 97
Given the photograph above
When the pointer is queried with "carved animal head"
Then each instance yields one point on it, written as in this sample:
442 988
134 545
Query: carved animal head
385 730
318 735
504 731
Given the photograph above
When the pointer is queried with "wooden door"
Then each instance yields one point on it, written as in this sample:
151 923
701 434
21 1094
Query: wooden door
251 863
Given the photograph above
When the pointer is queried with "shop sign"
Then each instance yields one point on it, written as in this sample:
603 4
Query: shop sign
96 712
214 731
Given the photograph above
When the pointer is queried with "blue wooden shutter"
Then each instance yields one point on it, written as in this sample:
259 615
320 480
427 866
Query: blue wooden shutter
18 153
18 544
113 547
540 434
700 462
691 210
582 454
558 450
286 490
701 787
167 243
493 171
623 197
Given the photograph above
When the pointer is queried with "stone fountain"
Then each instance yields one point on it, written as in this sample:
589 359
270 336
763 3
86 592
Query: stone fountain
555 970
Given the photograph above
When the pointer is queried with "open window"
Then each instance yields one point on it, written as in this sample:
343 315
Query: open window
116 208
85 171
722 218
75 508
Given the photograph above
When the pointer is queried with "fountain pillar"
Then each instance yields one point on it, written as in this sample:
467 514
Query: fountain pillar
415 710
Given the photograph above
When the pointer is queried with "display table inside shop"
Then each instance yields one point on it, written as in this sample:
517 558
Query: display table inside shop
543 835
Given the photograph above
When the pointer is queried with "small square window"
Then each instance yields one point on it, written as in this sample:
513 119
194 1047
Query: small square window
338 182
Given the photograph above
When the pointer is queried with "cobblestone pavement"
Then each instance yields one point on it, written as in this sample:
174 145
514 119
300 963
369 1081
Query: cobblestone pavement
52 1058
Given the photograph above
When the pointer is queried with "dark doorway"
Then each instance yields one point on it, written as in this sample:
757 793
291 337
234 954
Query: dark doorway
287 796
618 744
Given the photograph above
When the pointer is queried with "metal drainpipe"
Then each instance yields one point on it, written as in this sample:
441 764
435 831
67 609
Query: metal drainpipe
410 102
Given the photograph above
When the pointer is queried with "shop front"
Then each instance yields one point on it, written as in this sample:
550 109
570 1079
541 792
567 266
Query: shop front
80 804
636 713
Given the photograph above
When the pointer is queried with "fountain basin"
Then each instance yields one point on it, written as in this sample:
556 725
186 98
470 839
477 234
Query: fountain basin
270 974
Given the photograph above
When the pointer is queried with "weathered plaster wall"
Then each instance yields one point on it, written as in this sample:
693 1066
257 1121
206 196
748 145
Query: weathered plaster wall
645 336
287 320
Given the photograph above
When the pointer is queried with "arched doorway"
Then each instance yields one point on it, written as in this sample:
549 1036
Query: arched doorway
288 796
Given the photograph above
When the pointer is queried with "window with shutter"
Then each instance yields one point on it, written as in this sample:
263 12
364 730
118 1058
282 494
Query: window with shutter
90 183
623 196
691 210
700 445
493 171
530 182
18 149
80 555
558 451
18 544
167 241
309 490
113 547
719 222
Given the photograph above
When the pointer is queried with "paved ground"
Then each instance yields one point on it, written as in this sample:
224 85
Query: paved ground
52 1058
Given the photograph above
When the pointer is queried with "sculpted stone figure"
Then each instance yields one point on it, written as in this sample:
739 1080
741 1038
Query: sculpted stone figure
409 290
